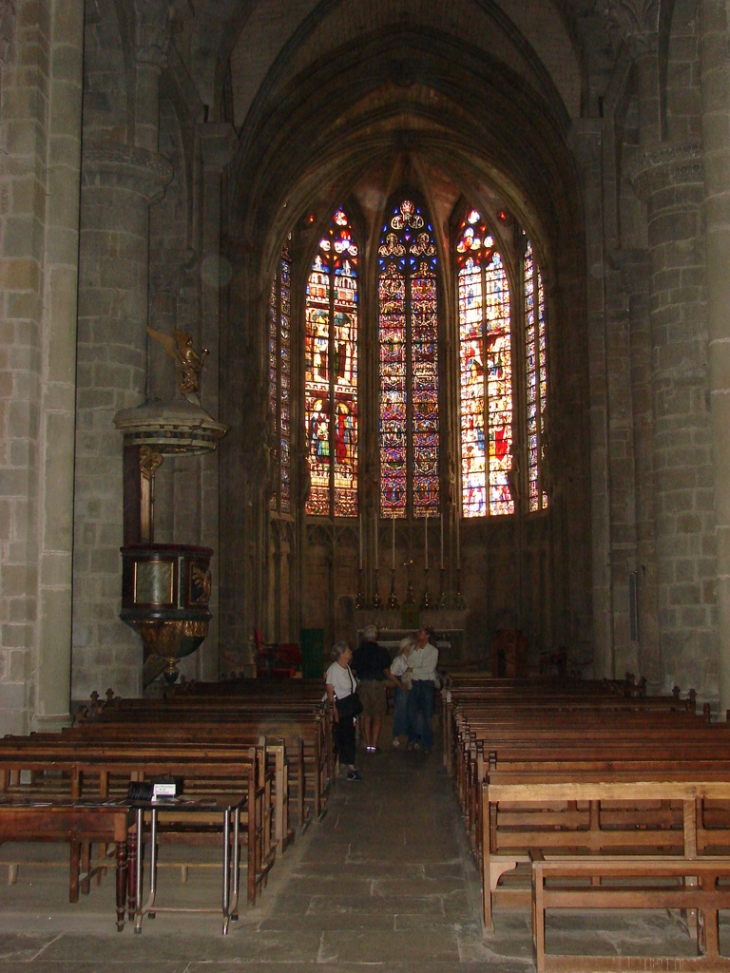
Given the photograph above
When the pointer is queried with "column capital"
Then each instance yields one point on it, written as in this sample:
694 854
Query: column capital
665 165
152 32
127 166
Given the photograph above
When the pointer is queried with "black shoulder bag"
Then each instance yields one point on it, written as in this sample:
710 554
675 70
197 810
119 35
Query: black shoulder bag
351 705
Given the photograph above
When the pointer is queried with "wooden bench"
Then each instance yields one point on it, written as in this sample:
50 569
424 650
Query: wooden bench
79 824
647 817
226 738
57 774
303 724
642 883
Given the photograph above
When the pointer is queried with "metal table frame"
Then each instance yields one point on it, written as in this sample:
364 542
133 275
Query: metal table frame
231 861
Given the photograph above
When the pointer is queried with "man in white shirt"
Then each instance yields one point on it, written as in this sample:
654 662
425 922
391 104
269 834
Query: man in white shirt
423 660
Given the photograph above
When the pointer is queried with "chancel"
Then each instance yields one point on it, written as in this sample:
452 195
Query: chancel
322 314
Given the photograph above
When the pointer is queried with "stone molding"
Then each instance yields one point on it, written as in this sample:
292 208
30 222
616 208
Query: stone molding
666 165
584 139
8 17
218 141
127 166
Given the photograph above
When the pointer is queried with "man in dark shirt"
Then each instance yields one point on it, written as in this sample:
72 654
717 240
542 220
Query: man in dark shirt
371 664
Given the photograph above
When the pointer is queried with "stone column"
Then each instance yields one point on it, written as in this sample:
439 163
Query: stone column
669 179
716 162
636 268
218 142
59 379
41 60
587 146
118 184
151 43
644 49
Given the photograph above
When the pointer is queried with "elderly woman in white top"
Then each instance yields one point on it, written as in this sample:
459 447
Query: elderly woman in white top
423 660
340 684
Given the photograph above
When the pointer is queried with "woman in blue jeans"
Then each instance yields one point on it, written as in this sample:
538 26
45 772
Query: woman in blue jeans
423 660
400 669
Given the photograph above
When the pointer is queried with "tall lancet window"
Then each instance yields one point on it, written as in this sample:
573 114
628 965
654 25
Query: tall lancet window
280 380
485 359
536 375
330 389
408 345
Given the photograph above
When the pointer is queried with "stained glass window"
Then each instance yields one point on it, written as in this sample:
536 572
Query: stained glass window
280 380
485 360
408 352
536 375
330 388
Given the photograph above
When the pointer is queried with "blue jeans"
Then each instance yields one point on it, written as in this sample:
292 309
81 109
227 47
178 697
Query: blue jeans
420 711
400 713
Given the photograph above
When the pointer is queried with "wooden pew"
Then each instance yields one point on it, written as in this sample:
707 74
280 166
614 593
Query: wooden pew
60 772
642 817
684 883
302 723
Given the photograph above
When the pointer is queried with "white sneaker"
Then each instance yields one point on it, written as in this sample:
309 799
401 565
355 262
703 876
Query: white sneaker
396 742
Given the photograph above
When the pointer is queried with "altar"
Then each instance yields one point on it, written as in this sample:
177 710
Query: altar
393 624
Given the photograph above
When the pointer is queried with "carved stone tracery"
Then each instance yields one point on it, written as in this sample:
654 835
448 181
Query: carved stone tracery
626 17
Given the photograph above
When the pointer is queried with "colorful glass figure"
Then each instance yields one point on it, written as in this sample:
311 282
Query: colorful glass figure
485 358
330 381
280 381
408 346
536 376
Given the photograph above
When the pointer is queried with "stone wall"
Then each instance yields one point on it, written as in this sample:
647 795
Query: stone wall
40 99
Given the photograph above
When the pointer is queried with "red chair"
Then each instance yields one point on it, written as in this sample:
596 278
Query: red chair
275 659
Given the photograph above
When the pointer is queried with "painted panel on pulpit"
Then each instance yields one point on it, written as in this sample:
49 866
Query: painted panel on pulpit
331 411
408 365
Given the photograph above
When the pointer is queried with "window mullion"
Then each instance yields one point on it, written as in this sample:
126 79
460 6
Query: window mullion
332 410
485 402
277 423
410 464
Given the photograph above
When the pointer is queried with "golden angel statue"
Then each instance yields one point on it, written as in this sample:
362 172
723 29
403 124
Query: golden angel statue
188 362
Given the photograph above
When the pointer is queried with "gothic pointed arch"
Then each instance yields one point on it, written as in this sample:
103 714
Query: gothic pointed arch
408 362
331 372
486 392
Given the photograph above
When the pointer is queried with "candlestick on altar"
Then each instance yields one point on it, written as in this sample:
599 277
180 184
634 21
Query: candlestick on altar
458 550
426 600
409 586
460 602
425 542
360 525
392 600
442 592
392 559
377 531
360 599
377 603
442 542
